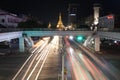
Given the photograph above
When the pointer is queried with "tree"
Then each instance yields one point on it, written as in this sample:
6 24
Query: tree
31 24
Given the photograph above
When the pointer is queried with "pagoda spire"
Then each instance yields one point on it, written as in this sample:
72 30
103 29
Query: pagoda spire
60 25
60 18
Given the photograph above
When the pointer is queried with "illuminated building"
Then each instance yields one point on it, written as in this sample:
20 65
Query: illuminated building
8 19
73 15
109 22
96 13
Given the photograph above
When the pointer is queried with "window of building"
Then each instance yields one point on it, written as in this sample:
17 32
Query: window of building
3 20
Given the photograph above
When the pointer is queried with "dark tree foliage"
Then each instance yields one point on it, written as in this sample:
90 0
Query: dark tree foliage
31 24
53 26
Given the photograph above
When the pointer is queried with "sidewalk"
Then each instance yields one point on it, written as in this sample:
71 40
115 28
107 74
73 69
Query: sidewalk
110 55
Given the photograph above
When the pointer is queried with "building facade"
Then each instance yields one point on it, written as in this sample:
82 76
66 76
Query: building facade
73 14
9 20
106 22
110 22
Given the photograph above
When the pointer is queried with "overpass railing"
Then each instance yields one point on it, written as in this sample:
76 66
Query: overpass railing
109 30
2 30
46 29
37 29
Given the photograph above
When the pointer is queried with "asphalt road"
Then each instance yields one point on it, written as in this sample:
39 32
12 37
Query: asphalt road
102 60
112 55
44 63
10 64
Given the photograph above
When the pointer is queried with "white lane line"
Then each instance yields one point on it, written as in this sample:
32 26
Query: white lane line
42 65
43 55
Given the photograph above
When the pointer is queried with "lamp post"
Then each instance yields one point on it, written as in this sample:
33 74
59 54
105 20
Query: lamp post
62 53
62 49
63 66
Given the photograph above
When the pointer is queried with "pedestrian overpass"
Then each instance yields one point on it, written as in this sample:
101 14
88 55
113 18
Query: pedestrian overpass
27 34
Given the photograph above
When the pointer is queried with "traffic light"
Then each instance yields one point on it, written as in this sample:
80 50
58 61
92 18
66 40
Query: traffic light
80 38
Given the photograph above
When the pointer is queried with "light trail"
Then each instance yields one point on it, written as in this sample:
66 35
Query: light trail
38 46
42 58
22 67
36 54
32 62
100 63
36 78
95 72
51 45
82 66
80 72
44 53
43 46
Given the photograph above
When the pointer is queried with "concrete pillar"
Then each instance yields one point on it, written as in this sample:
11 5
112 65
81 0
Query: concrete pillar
86 43
31 41
21 44
97 43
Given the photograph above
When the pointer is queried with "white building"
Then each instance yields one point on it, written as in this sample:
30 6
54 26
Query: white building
8 19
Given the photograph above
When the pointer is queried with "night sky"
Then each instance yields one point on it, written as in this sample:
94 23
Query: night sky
48 10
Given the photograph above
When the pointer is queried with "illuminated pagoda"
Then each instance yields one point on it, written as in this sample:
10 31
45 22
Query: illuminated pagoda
60 25
49 25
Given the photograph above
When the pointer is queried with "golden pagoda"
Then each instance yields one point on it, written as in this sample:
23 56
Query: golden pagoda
60 25
49 25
